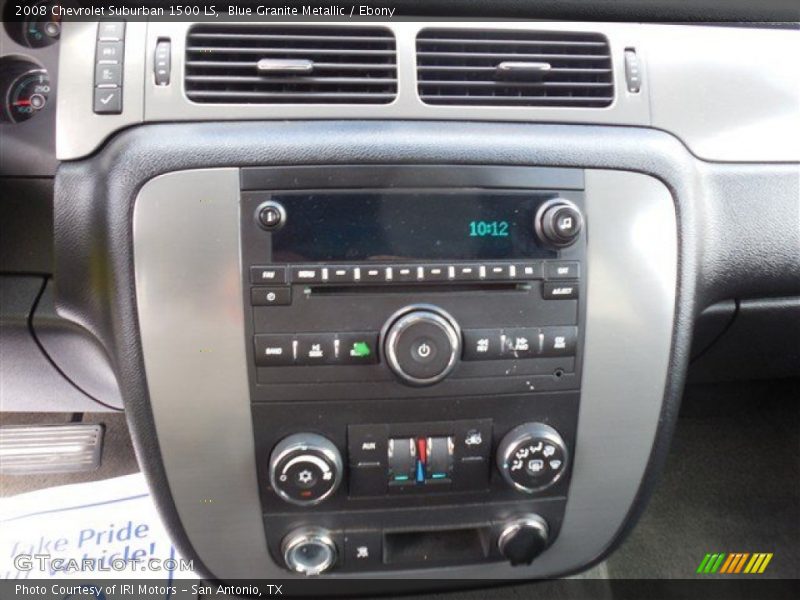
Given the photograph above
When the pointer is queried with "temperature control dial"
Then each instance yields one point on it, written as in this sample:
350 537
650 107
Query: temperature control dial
532 457
305 468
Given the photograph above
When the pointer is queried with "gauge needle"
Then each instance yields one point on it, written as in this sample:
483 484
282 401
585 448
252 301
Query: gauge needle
22 103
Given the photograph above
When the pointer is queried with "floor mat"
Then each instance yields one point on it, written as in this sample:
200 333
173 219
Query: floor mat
731 484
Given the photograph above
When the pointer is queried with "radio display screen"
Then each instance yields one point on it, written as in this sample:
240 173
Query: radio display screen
398 226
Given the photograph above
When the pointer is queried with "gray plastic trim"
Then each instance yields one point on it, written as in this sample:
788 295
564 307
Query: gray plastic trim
86 131
79 131
191 318
186 237
729 93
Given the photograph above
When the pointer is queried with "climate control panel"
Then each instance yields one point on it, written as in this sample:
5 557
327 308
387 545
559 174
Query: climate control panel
415 460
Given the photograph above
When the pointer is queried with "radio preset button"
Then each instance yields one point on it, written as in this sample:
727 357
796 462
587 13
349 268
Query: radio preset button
340 274
560 290
467 272
531 270
270 296
499 272
435 273
373 274
562 270
404 273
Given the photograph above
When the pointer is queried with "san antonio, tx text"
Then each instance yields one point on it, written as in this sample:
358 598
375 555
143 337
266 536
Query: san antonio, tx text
61 590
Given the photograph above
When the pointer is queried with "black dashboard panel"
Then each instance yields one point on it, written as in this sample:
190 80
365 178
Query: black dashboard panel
343 143
474 255
381 309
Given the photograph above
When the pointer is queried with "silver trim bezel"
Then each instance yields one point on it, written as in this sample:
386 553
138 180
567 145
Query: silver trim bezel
186 235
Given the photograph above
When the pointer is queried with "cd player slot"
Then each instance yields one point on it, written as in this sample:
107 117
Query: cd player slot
329 290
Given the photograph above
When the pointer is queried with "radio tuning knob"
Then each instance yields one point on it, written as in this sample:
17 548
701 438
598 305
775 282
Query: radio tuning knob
422 344
305 468
558 223
532 457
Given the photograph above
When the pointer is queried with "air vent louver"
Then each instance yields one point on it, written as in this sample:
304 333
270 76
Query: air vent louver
514 68
243 64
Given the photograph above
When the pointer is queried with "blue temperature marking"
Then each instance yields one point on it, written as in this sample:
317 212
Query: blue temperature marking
401 477
420 472
439 475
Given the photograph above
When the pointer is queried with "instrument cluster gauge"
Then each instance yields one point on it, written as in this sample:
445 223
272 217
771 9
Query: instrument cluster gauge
25 88
33 24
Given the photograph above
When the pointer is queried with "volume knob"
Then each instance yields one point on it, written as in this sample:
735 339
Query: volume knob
422 344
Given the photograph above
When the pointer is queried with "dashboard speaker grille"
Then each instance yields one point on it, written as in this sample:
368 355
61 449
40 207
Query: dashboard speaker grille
476 67
273 64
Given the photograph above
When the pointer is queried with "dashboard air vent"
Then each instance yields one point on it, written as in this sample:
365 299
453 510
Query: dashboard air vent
272 64
477 67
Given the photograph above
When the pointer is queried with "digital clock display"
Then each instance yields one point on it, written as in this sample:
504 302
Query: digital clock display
402 225
488 228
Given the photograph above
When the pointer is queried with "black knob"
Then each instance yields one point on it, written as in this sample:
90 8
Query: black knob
532 457
558 223
422 344
271 215
305 468
523 539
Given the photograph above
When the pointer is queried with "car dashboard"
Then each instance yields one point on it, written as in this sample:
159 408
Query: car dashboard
398 299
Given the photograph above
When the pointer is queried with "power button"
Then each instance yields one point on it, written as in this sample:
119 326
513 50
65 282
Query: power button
422 346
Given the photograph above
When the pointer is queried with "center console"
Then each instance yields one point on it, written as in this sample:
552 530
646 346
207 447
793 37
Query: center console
394 369
414 338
